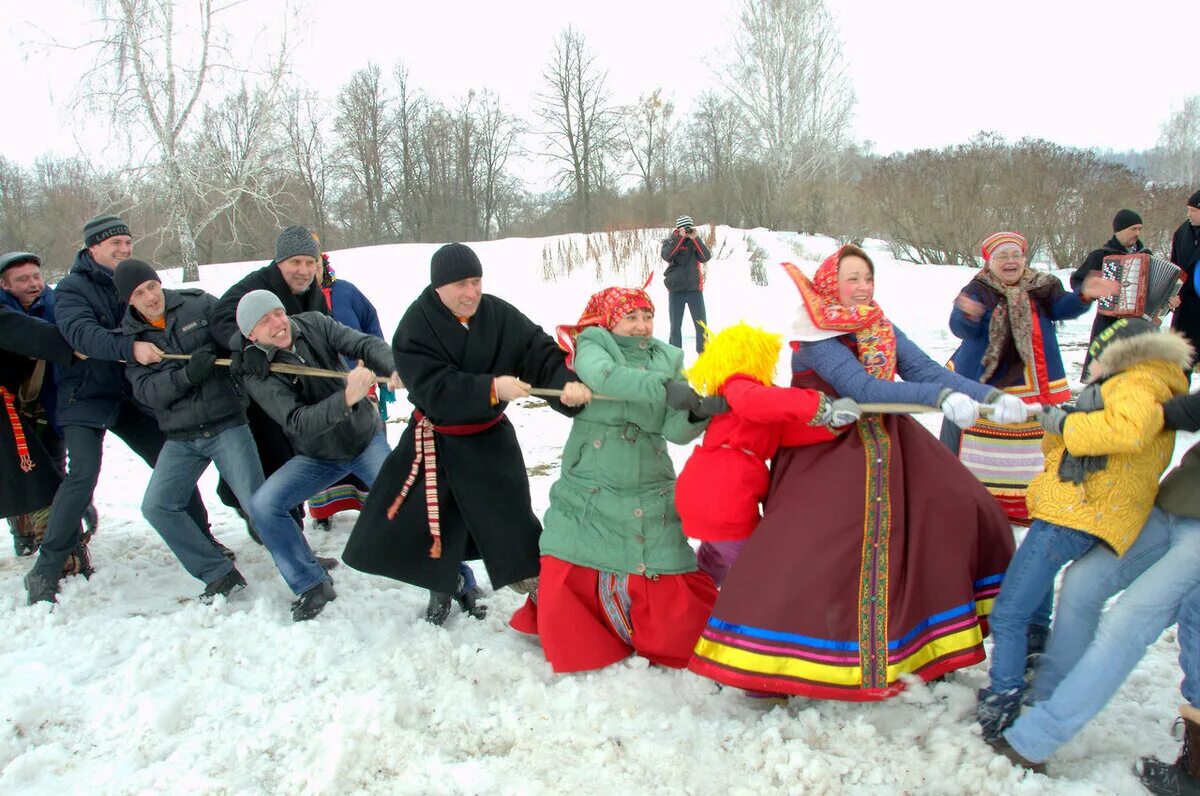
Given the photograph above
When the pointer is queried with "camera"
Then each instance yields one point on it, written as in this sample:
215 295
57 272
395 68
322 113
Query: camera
689 230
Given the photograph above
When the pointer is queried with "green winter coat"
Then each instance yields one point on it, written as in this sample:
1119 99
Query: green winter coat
613 507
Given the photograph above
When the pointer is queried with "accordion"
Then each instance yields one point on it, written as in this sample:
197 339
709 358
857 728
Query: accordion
1147 284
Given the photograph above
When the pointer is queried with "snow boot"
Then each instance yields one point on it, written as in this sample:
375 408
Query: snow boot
1181 778
1002 746
225 586
438 609
469 593
313 601
40 589
327 563
79 562
997 710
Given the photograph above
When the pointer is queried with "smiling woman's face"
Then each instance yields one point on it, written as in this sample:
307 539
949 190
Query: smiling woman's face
1007 263
856 283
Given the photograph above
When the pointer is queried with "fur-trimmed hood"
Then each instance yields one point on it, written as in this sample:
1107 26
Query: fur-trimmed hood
1124 353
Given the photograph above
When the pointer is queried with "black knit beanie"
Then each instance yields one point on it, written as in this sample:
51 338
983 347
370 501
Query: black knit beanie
129 274
1120 329
1194 200
101 228
453 262
1124 219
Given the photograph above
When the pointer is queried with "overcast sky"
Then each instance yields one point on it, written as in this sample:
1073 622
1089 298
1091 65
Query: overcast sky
927 73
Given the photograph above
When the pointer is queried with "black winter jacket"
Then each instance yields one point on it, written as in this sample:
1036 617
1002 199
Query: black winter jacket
313 410
88 313
684 256
224 316
1185 252
1179 492
184 410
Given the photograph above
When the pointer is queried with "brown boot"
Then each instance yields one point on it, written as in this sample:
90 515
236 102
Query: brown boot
1181 778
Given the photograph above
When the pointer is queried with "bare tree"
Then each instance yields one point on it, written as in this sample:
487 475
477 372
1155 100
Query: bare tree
365 126
408 178
157 59
1179 143
578 121
648 131
497 134
310 159
789 78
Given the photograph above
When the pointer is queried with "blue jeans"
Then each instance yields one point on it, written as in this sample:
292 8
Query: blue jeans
694 301
1046 549
1167 590
292 484
180 464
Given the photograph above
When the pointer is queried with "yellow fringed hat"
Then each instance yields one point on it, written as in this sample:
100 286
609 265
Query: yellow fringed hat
741 348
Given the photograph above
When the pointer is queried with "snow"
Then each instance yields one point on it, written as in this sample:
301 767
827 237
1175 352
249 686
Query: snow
127 685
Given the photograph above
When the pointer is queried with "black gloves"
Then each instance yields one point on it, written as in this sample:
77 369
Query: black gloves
680 395
200 366
709 406
250 361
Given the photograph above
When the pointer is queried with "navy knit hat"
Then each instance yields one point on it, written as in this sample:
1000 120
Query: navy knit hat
130 274
453 262
1124 219
102 228
296 240
1194 200
16 258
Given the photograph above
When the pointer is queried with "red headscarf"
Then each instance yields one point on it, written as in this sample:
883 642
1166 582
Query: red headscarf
604 309
874 334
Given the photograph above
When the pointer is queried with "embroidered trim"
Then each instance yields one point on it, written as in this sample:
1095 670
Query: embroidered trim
873 578
10 406
614 599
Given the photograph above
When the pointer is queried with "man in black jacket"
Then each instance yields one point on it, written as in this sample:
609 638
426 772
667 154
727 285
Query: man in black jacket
200 410
463 356
332 429
1127 227
684 279
1185 252
94 397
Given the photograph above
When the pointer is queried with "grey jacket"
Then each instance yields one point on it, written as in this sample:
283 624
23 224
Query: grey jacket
312 410
1179 492
184 410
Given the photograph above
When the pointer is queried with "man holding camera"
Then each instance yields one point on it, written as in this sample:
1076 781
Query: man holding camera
684 279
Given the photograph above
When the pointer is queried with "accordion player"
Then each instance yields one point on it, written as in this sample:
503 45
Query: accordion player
1147 284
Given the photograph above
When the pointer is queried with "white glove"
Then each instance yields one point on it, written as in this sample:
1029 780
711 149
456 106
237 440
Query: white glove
960 409
1008 409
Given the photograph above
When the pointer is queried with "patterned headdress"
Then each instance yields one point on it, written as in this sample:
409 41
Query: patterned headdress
604 309
998 239
873 333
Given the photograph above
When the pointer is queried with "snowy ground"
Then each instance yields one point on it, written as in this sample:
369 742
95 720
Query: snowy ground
130 686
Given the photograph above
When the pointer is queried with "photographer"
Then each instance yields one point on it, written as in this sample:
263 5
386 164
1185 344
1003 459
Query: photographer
684 280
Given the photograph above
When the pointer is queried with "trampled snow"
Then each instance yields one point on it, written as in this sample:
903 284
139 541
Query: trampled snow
130 686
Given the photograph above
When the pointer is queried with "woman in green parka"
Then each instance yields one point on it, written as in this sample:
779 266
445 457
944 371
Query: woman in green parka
617 576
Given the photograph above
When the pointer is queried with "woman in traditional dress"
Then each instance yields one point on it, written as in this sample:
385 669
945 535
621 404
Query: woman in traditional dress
1005 317
878 554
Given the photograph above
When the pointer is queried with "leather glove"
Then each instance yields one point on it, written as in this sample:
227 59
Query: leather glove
1053 419
680 395
840 412
709 406
1008 409
200 366
249 361
960 409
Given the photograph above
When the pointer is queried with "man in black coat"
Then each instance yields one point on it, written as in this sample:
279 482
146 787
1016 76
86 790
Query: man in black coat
462 356
333 430
684 280
293 276
28 475
1127 227
94 397
1185 252
198 407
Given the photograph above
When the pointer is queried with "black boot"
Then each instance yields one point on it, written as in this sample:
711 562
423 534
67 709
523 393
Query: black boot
469 594
24 545
40 589
322 524
225 586
1181 778
438 609
313 601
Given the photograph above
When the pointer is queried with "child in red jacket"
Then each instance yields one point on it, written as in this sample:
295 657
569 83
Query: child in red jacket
726 478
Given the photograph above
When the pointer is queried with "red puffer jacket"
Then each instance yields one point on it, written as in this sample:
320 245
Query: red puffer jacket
726 478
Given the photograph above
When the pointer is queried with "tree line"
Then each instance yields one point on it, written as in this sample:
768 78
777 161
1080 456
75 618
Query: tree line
218 164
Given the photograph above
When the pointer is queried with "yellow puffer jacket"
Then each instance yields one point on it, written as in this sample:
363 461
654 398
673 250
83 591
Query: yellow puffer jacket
1114 503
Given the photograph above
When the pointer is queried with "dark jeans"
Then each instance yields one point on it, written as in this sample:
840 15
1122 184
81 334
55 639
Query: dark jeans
84 448
694 301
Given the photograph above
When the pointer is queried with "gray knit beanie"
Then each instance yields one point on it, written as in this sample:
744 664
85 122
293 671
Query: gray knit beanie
252 307
295 240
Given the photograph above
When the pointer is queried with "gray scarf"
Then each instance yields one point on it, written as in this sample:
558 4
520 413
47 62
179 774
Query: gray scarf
1075 469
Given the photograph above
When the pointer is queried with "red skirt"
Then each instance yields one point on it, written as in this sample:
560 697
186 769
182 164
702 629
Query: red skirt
588 619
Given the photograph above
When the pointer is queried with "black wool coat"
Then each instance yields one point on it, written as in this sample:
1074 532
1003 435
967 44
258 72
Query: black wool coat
1185 252
483 488
22 341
